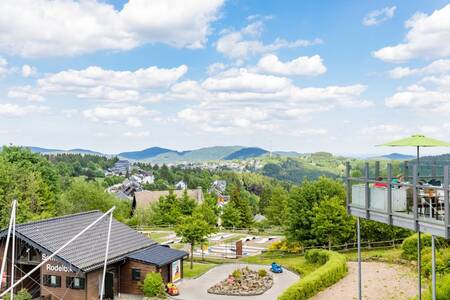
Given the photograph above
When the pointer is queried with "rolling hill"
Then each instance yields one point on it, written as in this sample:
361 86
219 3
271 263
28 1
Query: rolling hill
165 155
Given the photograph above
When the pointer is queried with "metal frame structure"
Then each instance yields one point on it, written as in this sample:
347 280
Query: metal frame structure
12 228
411 220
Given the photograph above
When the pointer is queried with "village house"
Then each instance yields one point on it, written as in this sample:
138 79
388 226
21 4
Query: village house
76 272
144 199
121 168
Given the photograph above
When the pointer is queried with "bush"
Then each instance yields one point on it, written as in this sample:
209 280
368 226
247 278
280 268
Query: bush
442 261
326 275
409 245
316 256
237 274
21 295
283 245
262 273
442 289
153 285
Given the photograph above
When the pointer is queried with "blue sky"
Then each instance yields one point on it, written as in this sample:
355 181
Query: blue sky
339 76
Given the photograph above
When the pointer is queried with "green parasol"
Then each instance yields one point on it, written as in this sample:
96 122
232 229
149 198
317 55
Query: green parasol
418 141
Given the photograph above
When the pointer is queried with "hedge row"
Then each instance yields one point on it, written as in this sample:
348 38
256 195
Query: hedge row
333 269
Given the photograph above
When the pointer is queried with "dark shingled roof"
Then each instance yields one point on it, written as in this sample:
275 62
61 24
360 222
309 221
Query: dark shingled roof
88 251
157 255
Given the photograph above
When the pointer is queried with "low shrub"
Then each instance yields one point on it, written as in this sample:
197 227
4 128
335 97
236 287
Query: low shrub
284 245
317 256
262 273
442 261
153 285
237 274
409 245
21 295
326 275
442 289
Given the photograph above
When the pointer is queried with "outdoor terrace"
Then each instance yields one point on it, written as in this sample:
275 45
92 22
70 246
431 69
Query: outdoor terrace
419 203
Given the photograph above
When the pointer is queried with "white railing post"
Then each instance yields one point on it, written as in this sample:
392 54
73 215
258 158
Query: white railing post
106 257
5 253
57 251
13 253
358 229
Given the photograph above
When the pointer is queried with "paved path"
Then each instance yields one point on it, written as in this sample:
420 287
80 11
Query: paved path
196 289
381 281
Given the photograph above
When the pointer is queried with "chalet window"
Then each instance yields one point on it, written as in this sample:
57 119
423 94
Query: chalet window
135 274
52 280
76 283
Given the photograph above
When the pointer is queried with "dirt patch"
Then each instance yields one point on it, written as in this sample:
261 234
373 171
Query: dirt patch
381 281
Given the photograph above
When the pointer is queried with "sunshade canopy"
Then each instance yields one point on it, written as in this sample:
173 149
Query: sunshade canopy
416 140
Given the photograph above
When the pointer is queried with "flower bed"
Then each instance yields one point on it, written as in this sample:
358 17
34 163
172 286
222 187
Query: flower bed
243 282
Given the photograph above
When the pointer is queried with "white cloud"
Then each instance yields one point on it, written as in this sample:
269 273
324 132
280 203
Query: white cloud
28 71
246 42
302 65
243 101
419 97
102 84
69 113
425 39
3 67
378 16
151 77
243 80
114 114
15 110
439 66
25 92
383 129
35 28
215 68
309 132
136 134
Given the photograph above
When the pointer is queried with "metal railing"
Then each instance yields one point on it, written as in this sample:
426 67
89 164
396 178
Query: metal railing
422 199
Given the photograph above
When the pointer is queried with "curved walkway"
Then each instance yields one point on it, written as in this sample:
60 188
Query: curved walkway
196 289
381 281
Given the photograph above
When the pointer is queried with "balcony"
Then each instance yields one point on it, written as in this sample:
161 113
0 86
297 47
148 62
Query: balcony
419 203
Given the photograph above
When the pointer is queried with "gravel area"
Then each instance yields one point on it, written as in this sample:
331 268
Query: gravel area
381 281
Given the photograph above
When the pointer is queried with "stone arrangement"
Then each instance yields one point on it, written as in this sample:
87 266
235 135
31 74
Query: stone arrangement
249 283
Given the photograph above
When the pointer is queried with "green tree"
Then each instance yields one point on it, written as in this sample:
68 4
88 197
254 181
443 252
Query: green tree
302 199
331 224
275 211
85 196
194 231
240 201
167 210
31 180
230 216
187 204
205 212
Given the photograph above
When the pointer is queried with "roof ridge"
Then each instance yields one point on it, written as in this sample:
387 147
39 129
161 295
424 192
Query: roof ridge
58 218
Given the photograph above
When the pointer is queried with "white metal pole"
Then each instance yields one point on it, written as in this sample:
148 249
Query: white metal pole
359 260
433 268
5 254
57 251
106 257
13 254
419 265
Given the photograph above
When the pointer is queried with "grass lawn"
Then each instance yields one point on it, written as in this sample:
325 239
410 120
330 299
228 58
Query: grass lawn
199 269
159 236
294 262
